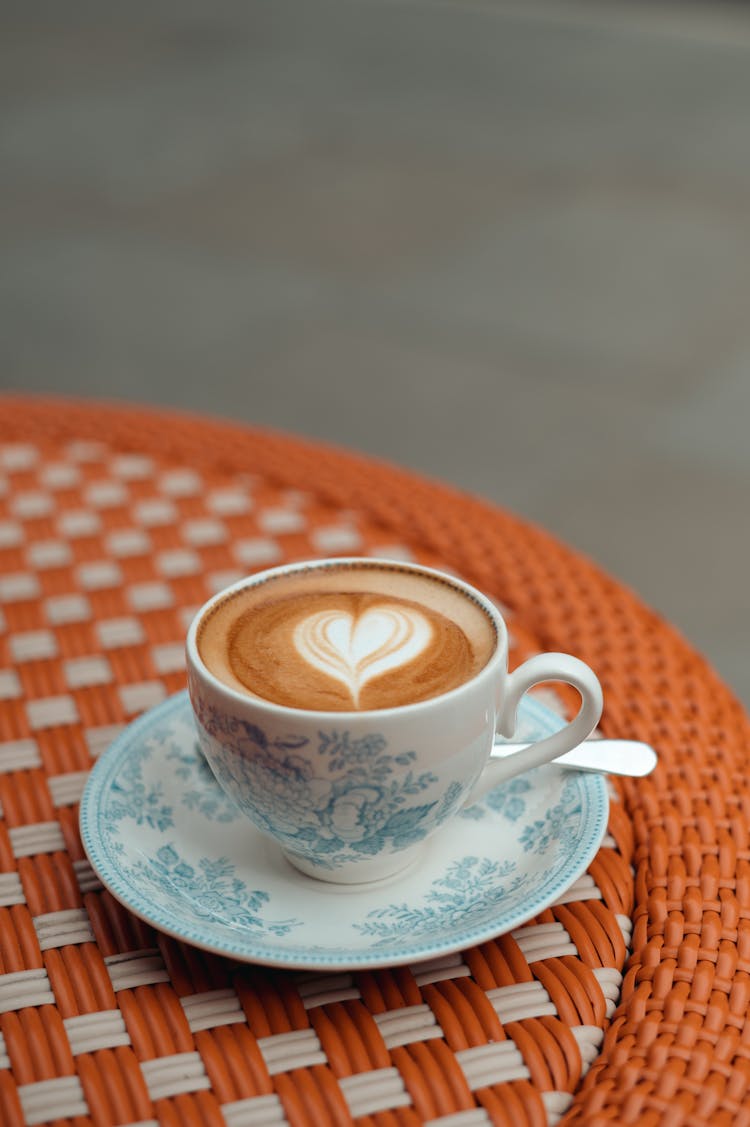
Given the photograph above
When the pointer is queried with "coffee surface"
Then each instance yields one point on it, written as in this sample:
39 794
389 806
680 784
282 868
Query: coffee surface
347 639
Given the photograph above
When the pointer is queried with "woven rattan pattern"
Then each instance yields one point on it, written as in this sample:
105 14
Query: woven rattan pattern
114 525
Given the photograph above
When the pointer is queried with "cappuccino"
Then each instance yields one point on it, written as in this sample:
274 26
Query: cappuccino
347 637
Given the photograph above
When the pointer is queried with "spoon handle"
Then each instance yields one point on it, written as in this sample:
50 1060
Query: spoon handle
612 757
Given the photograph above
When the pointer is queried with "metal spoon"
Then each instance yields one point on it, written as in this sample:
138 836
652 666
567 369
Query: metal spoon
611 757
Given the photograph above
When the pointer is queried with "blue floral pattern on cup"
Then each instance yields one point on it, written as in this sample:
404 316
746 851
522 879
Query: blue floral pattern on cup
364 800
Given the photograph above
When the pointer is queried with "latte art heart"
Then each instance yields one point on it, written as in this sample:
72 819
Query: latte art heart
355 650
350 639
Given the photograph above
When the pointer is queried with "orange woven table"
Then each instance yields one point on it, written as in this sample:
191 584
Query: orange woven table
624 1002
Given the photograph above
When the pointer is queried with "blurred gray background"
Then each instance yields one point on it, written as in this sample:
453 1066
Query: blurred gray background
506 244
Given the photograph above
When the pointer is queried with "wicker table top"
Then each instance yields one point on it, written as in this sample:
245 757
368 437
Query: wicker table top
625 1002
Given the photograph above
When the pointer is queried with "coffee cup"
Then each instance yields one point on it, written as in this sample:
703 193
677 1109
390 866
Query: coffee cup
349 707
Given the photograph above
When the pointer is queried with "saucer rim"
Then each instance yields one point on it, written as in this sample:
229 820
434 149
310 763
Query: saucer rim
261 953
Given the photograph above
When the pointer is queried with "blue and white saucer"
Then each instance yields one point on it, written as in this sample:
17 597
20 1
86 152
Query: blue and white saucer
168 843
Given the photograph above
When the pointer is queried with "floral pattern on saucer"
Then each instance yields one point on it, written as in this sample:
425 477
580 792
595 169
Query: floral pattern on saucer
213 888
171 846
456 899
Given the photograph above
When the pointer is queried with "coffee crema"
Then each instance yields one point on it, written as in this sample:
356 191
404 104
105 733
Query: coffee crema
346 638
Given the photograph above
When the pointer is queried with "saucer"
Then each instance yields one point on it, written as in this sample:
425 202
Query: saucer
173 848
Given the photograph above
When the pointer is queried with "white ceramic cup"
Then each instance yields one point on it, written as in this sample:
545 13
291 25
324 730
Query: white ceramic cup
352 796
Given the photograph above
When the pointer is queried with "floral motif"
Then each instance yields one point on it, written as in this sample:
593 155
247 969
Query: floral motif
213 890
505 800
201 796
450 801
360 803
558 825
465 896
133 799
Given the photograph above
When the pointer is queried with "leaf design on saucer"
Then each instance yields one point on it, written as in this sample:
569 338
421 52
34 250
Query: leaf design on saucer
213 889
464 896
355 651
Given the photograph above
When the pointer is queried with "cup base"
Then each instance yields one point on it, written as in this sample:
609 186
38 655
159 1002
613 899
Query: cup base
375 871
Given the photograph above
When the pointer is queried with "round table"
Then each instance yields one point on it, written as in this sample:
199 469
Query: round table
115 525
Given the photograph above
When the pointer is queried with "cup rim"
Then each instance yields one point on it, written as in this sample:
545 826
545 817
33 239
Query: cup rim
196 664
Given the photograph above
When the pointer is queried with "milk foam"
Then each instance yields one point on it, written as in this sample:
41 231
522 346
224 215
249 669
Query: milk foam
347 637
356 651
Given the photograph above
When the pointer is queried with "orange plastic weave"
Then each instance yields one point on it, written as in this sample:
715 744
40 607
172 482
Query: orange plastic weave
112 515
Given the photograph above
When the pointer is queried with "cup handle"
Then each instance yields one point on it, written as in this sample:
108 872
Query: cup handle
542 667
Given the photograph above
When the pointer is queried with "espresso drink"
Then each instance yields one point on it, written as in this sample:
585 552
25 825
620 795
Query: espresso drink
349 637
